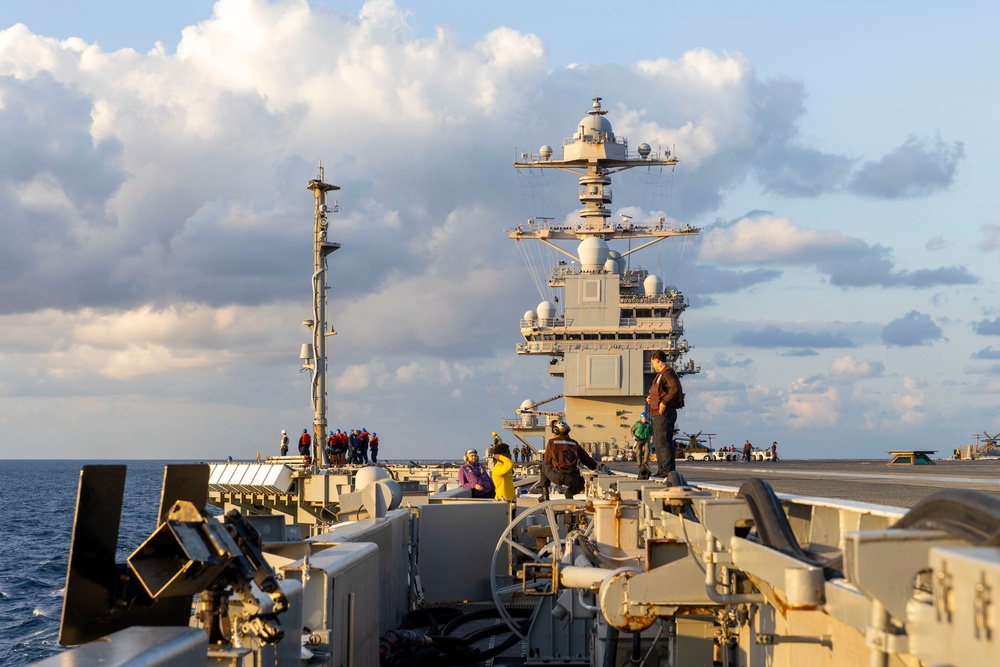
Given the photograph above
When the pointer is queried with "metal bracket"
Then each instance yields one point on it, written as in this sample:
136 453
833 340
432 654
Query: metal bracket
767 639
544 571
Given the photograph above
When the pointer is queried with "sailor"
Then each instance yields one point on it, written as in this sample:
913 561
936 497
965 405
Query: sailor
331 443
503 472
489 451
305 443
284 443
363 438
342 445
665 398
473 476
641 431
373 447
774 450
563 455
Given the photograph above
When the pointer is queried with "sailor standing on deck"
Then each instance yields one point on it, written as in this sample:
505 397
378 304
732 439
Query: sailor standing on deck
363 440
284 443
305 443
641 431
665 398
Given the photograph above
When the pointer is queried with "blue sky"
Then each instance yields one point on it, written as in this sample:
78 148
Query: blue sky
155 269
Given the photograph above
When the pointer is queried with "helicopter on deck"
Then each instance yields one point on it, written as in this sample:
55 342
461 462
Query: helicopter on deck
698 447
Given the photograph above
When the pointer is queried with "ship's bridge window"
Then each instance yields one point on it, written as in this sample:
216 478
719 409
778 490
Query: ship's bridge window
643 312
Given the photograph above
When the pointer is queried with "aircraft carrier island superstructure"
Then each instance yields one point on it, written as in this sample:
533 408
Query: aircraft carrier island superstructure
612 317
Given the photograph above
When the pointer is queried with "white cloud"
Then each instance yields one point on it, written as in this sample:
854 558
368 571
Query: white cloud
772 239
908 403
850 369
812 404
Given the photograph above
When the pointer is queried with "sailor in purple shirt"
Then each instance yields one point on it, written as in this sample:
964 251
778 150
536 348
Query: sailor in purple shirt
474 476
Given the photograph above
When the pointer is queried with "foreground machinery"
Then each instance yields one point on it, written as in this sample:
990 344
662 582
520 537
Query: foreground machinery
639 572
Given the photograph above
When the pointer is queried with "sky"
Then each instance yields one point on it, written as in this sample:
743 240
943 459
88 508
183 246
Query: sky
156 255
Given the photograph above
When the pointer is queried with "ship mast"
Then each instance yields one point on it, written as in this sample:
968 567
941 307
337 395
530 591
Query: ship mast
321 249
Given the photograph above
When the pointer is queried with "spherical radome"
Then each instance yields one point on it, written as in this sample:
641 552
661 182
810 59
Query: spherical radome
652 285
546 310
593 251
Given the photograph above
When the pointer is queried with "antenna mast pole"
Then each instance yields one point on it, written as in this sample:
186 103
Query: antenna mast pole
321 248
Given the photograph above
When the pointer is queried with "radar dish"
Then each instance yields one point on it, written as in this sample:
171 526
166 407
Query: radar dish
644 150
545 152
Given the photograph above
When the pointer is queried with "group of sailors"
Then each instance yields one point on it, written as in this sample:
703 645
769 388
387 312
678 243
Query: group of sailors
560 466
341 448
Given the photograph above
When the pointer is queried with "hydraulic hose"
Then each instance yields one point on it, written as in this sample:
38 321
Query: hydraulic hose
972 516
772 525
611 647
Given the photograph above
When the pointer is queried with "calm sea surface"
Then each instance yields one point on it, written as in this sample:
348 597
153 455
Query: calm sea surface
37 501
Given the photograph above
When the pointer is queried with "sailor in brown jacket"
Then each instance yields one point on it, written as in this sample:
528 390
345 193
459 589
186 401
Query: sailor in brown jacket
563 455
665 398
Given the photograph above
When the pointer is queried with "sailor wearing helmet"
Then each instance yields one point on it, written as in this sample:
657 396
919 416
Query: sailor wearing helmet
563 455
284 443
641 431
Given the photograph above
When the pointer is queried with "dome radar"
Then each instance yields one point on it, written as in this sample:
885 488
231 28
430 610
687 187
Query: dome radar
593 253
546 311
614 263
644 151
595 127
530 317
545 152
528 418
652 285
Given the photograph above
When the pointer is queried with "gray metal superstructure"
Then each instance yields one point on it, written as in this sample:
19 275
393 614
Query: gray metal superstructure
611 316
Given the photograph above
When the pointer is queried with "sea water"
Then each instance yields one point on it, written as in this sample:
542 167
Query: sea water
37 502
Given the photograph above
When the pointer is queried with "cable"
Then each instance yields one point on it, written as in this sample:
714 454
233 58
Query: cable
972 516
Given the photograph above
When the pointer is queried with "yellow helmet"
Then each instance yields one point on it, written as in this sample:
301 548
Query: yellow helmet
494 434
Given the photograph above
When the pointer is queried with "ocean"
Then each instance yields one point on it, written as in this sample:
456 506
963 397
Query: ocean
37 501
